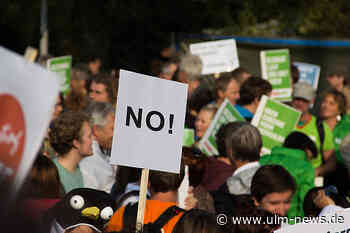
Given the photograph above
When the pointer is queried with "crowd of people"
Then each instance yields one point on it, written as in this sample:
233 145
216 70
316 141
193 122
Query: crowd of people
72 187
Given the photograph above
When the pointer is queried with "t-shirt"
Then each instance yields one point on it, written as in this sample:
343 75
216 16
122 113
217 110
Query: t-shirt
68 179
310 129
341 130
153 210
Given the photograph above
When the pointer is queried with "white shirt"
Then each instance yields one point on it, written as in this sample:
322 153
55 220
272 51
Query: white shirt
246 166
96 170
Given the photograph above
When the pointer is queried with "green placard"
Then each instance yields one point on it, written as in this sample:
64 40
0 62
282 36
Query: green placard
274 121
188 137
225 114
62 66
275 67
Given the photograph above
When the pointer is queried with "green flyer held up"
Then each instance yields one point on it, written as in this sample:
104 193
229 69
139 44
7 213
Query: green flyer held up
225 114
275 67
62 66
275 122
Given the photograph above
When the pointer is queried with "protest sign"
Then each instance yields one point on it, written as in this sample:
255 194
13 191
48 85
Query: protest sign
30 54
217 56
274 121
149 123
62 66
275 67
337 222
188 137
225 114
308 73
28 95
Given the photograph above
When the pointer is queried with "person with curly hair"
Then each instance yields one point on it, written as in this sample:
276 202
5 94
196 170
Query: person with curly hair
71 137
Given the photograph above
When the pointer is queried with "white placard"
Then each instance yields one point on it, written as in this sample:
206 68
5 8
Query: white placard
149 125
308 73
339 222
217 56
28 95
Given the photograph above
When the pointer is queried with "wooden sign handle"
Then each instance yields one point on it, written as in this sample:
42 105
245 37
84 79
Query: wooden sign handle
142 199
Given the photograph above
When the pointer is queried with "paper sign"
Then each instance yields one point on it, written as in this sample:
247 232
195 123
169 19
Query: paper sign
308 73
28 95
338 222
225 114
275 68
62 66
217 56
183 189
188 137
275 122
30 54
149 125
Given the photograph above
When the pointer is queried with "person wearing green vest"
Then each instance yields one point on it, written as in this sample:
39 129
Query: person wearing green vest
333 113
303 97
294 156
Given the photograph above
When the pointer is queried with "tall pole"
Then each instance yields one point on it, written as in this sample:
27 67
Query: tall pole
44 41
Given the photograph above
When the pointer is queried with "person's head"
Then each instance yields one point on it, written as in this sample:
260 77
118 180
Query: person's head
243 143
298 140
295 74
190 69
336 77
252 90
163 182
79 76
103 88
59 106
94 63
333 104
71 132
198 221
311 207
241 74
43 180
272 189
102 117
221 135
203 119
168 70
227 87
303 96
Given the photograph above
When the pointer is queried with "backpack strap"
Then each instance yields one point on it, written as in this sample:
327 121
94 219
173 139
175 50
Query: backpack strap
165 217
321 133
130 214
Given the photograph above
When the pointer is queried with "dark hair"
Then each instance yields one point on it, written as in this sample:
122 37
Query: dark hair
65 129
298 140
198 221
238 74
111 85
338 97
253 88
124 176
295 73
311 210
271 179
162 182
221 136
244 142
43 180
222 82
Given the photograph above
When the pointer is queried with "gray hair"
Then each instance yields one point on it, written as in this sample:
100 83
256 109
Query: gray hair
243 141
99 111
192 65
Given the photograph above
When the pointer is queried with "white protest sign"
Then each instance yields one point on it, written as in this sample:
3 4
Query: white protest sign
339 222
149 125
28 95
217 56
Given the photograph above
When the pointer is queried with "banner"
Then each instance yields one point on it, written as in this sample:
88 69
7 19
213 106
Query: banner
275 122
275 67
217 56
225 114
